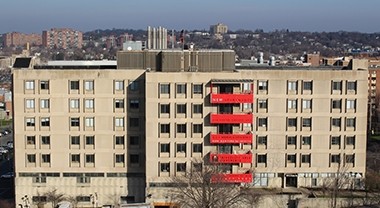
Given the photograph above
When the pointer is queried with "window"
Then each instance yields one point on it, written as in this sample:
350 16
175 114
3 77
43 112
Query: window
165 108
119 140
29 103
197 148
291 158
351 85
263 85
181 167
83 198
134 122
45 121
165 167
31 140
134 85
165 128
261 158
134 158
350 140
89 103
262 140
45 140
74 85
336 122
119 85
119 122
198 108
197 89
292 104
75 140
90 158
292 85
350 122
262 122
30 122
165 148
263 104
29 85
350 158
134 140
337 85
75 158
74 122
74 103
351 104
305 158
44 85
90 140
335 140
306 122
89 85
335 158
119 103
31 158
90 122
306 140
134 104
181 88
181 148
181 108
119 158
307 85
336 104
197 128
292 140
164 88
292 122
181 128
44 103
45 158
306 104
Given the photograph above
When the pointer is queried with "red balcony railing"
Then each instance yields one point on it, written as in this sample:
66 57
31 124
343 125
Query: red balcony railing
231 118
230 158
232 178
231 138
231 98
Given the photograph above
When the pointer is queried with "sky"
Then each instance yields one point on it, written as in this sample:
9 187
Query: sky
34 16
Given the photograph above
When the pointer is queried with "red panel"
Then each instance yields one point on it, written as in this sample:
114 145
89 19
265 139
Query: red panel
231 118
232 98
232 178
231 138
231 158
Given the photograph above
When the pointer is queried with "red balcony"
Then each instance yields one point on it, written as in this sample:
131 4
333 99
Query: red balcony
230 158
231 138
231 98
232 178
231 118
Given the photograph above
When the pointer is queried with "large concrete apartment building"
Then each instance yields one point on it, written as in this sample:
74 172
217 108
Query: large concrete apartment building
62 38
115 134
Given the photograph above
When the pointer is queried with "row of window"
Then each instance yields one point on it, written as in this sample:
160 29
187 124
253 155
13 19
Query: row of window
307 86
307 122
180 148
88 85
181 108
306 158
307 140
88 122
88 158
181 89
164 167
181 128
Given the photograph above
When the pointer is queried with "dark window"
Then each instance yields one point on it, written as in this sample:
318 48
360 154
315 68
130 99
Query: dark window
181 167
90 158
119 140
44 85
305 158
30 122
198 89
292 122
181 128
133 158
165 128
336 104
292 140
307 85
74 85
90 140
335 158
350 158
181 108
134 85
181 148
337 85
165 89
350 122
134 140
119 103
262 104
197 128
197 148
291 158
31 158
351 85
262 140
165 148
74 122
134 104
306 122
165 108
198 108
335 140
263 85
75 140
31 140
45 122
336 122
45 140
181 88
262 122
350 140
261 158
306 140
75 158
165 167
119 158
45 158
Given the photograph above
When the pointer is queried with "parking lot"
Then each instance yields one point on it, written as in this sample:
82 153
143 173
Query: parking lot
6 165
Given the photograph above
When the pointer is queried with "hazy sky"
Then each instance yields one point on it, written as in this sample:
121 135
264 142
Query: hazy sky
85 15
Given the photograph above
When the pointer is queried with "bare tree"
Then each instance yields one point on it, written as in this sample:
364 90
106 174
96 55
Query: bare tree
206 187
73 200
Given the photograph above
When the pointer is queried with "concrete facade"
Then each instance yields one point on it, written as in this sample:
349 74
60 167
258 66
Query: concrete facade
304 123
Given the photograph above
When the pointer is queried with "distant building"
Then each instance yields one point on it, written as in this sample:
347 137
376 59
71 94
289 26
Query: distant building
312 59
20 39
157 38
62 38
133 45
218 29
